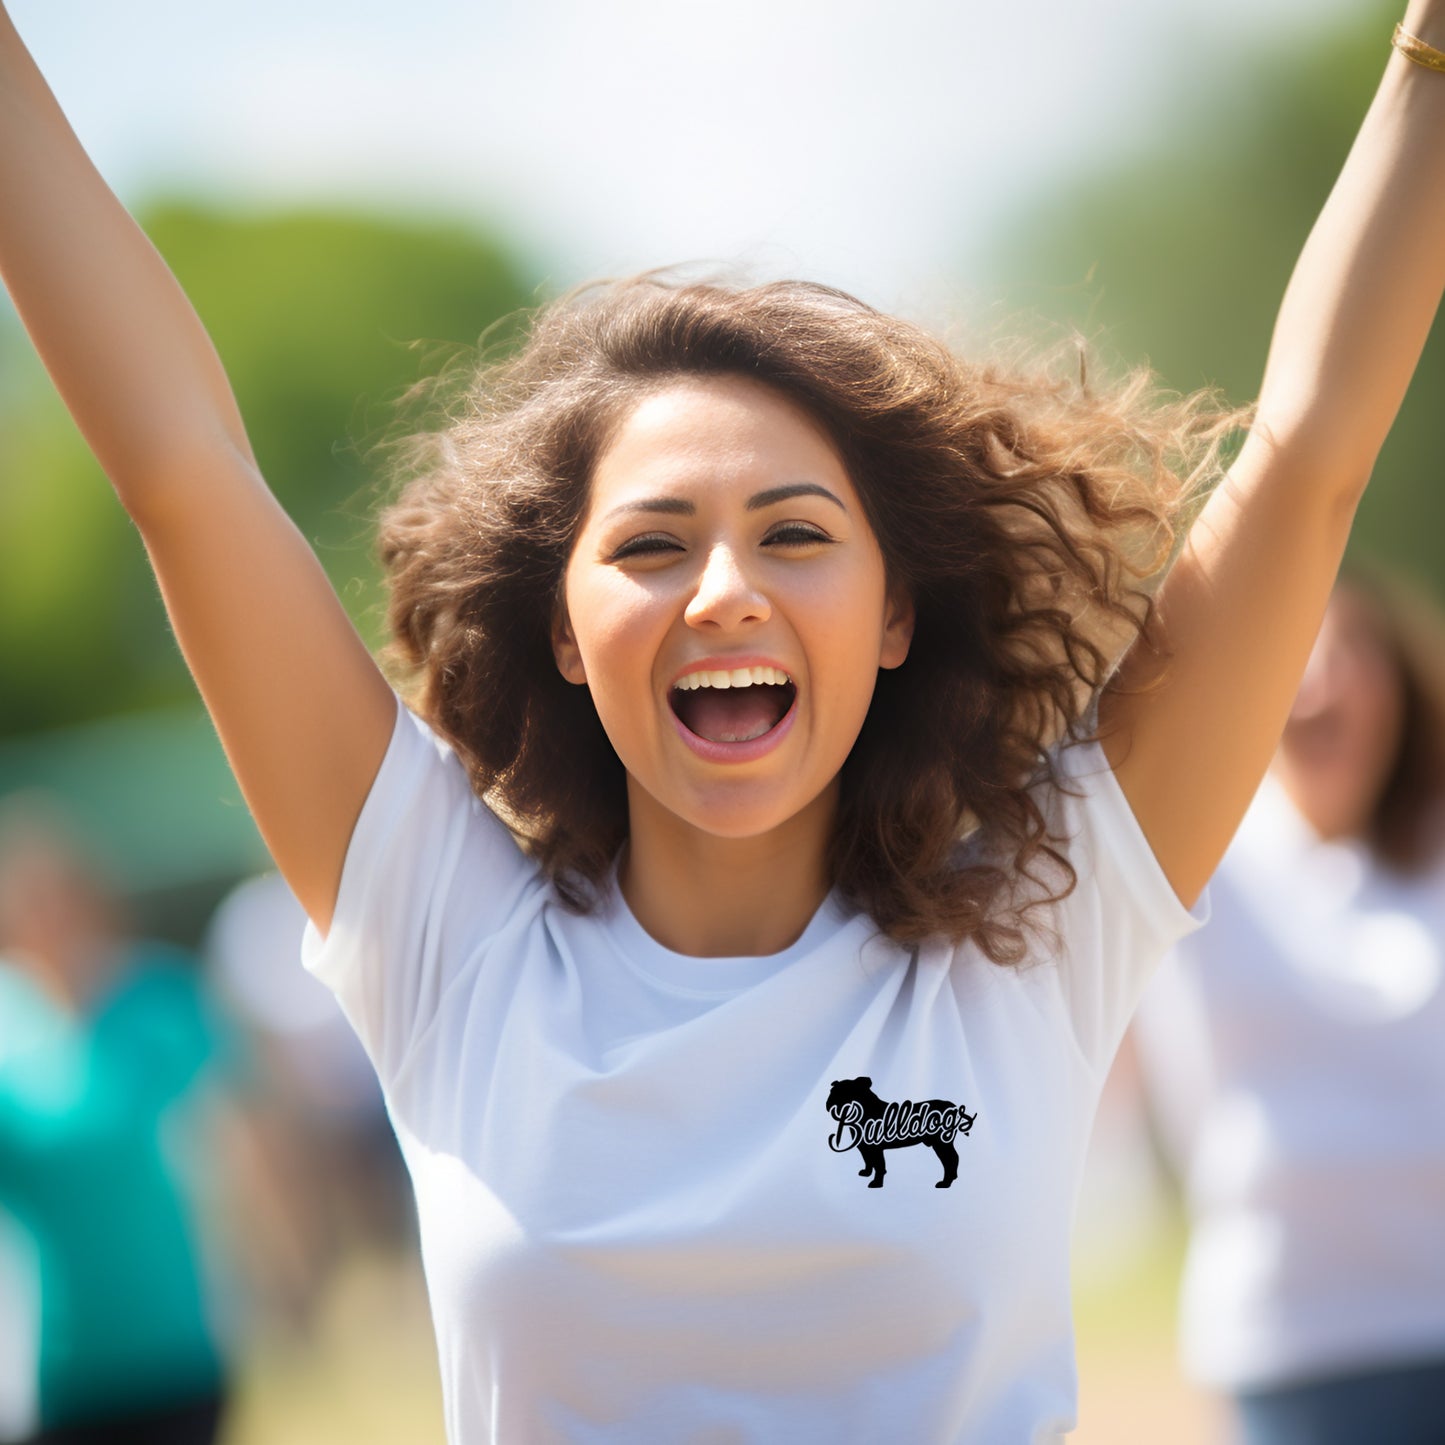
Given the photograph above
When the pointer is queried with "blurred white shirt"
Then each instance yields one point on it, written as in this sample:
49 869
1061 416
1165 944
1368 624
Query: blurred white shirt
1295 1055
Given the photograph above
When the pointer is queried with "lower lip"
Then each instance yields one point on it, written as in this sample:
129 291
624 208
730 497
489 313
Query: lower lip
737 752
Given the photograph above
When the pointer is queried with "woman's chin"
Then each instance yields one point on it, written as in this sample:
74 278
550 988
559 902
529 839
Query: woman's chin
734 809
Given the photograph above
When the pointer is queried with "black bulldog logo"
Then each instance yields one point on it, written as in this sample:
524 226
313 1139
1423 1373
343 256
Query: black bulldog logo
870 1126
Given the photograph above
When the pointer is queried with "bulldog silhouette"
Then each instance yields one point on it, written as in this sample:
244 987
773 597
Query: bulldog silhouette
869 1125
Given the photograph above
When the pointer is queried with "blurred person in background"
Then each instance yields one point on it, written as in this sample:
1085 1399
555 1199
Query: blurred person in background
105 1044
1294 1050
318 1120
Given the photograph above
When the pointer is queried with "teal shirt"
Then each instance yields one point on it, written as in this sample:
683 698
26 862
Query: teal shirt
87 1106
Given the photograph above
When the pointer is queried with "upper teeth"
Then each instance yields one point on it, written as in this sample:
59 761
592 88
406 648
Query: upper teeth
737 677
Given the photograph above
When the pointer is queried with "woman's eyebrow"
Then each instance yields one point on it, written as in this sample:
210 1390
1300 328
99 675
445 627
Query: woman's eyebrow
792 489
672 506
682 507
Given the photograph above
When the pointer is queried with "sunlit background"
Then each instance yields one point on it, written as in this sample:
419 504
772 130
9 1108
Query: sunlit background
350 192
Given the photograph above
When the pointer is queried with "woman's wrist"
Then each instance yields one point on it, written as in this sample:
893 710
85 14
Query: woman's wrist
1417 51
1425 20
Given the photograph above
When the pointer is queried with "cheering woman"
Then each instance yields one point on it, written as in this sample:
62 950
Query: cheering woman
804 760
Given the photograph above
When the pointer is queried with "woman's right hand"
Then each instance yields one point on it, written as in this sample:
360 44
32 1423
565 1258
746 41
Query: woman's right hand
302 711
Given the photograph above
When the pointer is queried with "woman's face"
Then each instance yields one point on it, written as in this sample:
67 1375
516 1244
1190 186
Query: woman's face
726 605
1344 729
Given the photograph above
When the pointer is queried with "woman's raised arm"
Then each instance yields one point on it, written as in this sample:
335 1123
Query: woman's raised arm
301 709
1240 610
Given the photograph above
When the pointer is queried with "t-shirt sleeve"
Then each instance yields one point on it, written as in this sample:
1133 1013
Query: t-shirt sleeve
1123 914
430 874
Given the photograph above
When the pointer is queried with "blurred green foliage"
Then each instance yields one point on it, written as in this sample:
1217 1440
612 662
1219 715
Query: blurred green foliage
323 320
1181 253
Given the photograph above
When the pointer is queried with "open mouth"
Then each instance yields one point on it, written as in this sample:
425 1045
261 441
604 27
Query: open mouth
736 706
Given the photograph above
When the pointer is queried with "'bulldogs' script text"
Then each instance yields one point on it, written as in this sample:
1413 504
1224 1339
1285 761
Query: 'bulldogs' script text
905 1123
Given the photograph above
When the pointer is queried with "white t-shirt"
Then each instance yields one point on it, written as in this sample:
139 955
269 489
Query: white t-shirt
1296 1051
640 1221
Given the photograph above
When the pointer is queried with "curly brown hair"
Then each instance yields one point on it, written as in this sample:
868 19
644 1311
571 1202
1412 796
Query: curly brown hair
1028 513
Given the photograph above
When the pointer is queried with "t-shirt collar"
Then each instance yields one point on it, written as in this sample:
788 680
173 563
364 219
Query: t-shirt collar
713 977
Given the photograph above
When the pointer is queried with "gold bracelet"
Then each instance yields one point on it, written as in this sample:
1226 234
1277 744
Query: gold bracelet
1413 48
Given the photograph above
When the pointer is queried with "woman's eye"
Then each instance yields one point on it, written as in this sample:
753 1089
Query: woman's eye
796 534
652 545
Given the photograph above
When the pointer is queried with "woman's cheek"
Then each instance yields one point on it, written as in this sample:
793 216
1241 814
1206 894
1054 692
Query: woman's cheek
617 623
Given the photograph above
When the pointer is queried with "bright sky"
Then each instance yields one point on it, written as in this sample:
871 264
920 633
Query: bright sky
877 146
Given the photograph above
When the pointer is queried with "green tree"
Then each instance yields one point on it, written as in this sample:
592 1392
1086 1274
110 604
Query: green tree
1180 255
317 315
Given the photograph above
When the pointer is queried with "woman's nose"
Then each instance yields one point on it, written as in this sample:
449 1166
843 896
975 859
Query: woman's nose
727 595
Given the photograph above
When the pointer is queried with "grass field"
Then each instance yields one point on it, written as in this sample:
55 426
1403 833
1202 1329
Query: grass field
1130 1389
365 1373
